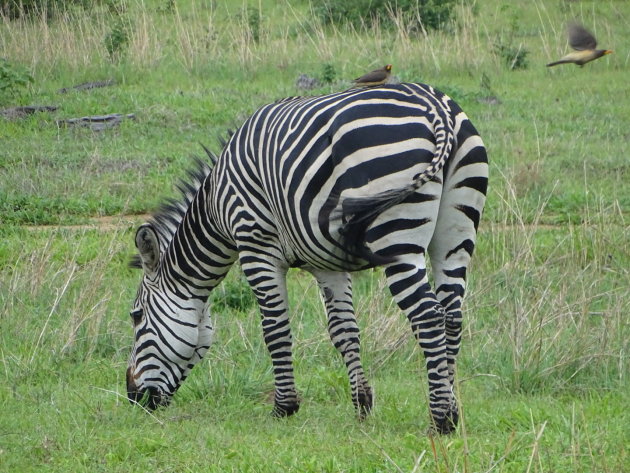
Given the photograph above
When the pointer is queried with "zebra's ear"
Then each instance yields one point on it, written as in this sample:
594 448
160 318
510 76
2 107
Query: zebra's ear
148 246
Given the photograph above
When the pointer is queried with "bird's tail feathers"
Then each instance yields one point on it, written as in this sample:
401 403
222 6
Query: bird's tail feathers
555 63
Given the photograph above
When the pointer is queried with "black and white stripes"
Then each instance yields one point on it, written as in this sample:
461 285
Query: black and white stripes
332 184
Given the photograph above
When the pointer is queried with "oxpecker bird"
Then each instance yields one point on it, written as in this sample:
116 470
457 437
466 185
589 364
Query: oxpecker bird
585 46
374 78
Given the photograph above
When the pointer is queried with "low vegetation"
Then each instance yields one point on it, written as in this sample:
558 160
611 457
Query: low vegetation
543 377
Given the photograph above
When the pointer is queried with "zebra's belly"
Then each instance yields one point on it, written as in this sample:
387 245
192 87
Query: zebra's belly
319 242
300 251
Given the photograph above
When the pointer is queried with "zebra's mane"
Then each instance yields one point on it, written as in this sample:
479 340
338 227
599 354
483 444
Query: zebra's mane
171 211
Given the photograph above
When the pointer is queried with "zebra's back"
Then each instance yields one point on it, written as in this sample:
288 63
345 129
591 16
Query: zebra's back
305 157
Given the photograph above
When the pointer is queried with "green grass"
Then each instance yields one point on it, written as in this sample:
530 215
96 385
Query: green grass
544 364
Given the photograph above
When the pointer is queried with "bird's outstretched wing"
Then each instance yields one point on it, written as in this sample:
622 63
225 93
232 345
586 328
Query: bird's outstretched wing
580 38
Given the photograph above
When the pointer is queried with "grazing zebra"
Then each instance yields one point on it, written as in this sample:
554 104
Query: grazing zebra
331 184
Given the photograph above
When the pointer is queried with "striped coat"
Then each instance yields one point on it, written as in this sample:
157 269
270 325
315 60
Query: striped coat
332 184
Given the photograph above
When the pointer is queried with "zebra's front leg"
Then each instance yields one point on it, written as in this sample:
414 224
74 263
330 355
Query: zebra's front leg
336 292
267 279
413 294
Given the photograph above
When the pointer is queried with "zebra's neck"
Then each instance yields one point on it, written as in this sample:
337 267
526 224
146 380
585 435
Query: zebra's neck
195 255
198 256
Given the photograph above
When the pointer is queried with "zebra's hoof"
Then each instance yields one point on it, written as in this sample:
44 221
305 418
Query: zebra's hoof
364 402
445 424
285 410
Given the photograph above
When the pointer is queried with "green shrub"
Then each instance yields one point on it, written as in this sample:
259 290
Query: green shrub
329 74
14 9
168 6
418 14
251 17
116 40
116 7
13 77
515 57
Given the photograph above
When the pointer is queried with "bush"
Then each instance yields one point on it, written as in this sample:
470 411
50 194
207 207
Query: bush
251 17
515 57
329 74
418 14
117 38
12 78
14 9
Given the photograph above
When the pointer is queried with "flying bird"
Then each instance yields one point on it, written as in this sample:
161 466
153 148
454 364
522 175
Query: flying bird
374 78
585 46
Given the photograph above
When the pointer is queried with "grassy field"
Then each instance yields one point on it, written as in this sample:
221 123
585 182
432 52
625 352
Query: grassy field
543 376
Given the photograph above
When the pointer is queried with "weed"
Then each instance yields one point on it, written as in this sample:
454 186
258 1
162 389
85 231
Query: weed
168 6
116 7
13 78
514 56
329 73
117 39
526 178
252 18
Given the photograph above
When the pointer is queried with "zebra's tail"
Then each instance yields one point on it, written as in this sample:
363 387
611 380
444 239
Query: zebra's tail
358 213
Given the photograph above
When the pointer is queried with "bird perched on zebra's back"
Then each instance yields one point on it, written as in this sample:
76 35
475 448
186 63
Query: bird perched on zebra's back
585 46
374 78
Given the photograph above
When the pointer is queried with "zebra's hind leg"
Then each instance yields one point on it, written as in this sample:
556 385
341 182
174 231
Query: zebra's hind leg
450 257
450 252
267 279
454 237
450 287
409 285
336 292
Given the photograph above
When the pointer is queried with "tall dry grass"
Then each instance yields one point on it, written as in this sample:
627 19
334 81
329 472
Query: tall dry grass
547 303
62 298
200 36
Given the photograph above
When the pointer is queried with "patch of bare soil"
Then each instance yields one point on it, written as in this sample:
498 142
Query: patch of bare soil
107 223
116 222
88 86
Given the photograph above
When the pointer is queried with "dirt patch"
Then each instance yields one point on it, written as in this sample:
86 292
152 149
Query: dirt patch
111 223
88 85
107 223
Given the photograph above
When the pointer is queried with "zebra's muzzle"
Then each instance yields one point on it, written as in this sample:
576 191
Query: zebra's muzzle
150 398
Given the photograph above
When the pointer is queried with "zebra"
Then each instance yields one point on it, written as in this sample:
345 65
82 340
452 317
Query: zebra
332 184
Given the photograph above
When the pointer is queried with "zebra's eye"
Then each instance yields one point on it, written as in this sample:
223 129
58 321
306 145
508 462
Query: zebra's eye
136 315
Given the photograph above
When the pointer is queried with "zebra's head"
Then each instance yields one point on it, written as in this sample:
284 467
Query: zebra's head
172 330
